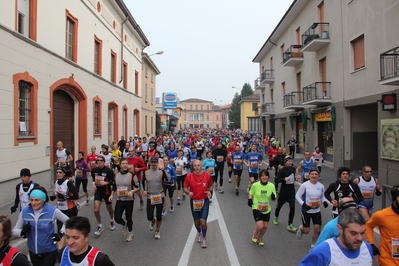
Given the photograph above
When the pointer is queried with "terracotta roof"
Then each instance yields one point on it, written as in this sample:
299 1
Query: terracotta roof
252 97
226 106
195 100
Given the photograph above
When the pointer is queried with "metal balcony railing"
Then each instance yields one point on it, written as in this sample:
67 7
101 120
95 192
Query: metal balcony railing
318 30
389 64
267 74
317 90
267 108
257 111
292 98
294 51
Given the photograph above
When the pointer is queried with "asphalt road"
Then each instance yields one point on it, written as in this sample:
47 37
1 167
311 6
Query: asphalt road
230 227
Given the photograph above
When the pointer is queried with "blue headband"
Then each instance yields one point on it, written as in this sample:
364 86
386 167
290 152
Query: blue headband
37 193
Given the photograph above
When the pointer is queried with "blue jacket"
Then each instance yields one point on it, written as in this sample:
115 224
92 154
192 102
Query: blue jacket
39 237
209 165
170 170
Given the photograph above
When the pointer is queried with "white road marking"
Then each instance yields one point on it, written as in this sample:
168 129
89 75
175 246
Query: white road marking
215 213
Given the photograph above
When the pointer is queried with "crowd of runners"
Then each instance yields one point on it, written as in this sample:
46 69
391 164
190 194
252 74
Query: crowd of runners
192 162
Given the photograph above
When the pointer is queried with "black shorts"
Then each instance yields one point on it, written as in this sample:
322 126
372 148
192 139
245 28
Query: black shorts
316 218
254 175
229 164
101 197
238 172
258 216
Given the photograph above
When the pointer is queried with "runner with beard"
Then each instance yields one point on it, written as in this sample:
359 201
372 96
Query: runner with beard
348 248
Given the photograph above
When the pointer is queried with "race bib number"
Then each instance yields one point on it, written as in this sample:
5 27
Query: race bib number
93 164
61 162
98 179
211 170
314 203
198 205
62 205
367 194
156 199
108 165
237 162
229 155
306 175
395 248
263 206
179 170
292 179
254 164
172 161
219 158
131 167
121 191
78 173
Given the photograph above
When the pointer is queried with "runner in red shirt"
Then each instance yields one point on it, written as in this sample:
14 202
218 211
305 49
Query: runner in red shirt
92 158
136 166
198 185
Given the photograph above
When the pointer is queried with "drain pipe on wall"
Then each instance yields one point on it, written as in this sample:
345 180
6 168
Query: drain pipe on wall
122 40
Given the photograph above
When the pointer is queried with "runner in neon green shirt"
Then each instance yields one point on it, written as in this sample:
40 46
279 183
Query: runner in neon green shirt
259 199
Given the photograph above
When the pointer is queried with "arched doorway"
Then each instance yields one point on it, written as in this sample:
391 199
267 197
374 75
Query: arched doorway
63 121
62 90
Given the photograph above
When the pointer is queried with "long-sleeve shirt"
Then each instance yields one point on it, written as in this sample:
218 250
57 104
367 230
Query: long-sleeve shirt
81 169
388 223
286 186
343 190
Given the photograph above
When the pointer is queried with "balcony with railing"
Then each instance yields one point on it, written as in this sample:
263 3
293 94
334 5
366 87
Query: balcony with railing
267 77
293 56
292 100
389 67
267 109
316 37
318 93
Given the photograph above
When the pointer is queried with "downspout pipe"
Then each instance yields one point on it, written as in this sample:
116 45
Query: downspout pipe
126 19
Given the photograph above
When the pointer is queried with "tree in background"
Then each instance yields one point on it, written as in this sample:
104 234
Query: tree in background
235 111
246 90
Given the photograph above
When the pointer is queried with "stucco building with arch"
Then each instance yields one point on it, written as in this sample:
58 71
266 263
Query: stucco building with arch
77 81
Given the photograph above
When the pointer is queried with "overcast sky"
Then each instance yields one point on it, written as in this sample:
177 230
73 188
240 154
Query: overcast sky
209 44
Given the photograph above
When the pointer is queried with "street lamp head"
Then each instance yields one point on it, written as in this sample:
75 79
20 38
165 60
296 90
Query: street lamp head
157 53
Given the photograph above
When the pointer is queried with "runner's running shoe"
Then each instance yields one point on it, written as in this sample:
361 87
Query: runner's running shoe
221 191
254 238
124 229
172 209
157 235
203 242
163 212
141 204
199 237
100 229
87 201
178 201
152 223
112 226
291 227
275 221
299 232
129 237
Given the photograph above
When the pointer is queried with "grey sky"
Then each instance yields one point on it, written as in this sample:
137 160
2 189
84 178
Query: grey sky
209 45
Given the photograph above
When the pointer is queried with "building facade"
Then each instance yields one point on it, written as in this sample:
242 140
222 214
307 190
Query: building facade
324 81
76 81
225 115
249 121
148 103
199 113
